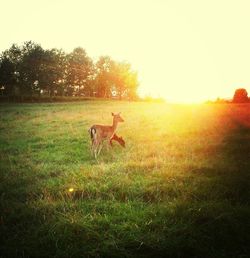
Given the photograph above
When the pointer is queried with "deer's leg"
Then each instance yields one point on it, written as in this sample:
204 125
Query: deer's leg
92 147
95 152
100 147
107 145
97 146
94 141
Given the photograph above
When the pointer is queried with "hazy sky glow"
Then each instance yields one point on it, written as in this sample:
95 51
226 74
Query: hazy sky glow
184 51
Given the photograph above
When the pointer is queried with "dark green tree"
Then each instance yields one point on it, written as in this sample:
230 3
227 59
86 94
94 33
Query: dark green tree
52 72
31 68
79 72
42 70
9 70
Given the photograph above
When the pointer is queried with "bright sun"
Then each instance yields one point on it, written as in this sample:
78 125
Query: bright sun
173 95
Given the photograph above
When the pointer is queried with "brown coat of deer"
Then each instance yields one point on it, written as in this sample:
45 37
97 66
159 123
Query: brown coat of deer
99 133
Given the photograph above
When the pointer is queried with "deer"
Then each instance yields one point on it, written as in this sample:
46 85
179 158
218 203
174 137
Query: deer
118 139
100 133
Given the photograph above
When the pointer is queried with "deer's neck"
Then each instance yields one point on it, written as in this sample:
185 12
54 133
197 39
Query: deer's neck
114 125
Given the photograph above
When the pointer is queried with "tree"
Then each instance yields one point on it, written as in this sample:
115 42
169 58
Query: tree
52 72
9 70
240 96
79 71
115 79
132 84
7 76
125 80
103 79
30 68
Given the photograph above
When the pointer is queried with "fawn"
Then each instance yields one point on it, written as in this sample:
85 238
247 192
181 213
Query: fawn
99 133
118 139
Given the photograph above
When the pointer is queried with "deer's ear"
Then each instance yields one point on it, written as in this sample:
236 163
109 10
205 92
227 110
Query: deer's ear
112 114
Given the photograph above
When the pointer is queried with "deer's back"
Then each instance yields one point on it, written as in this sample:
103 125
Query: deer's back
104 131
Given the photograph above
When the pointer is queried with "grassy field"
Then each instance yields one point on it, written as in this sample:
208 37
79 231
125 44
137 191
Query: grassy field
180 188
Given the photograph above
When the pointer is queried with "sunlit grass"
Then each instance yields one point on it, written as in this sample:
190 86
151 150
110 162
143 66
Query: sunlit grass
180 187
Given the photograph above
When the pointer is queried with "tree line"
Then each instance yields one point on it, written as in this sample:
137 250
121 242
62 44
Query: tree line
240 96
30 70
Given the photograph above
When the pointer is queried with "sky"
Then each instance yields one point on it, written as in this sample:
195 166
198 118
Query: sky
184 51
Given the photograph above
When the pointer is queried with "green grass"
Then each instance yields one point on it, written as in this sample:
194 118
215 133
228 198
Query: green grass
181 187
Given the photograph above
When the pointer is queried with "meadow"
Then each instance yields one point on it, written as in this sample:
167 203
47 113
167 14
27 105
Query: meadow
180 188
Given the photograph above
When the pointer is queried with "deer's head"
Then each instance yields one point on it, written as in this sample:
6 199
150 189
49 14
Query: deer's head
117 117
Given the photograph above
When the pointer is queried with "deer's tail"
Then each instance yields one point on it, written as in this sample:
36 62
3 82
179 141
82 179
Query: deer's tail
92 132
